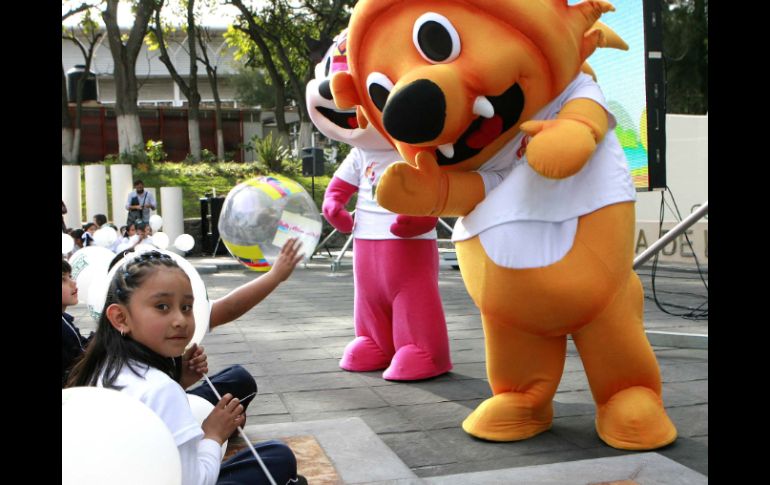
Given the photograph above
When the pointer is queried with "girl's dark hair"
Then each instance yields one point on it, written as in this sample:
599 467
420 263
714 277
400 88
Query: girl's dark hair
65 267
109 351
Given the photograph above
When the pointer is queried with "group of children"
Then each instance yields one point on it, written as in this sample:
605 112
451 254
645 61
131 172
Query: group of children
131 235
140 348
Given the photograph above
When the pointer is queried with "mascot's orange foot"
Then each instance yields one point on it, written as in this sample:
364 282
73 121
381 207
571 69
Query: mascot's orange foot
362 355
508 417
412 363
634 419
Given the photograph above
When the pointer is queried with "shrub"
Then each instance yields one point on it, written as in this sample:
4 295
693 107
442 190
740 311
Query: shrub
270 153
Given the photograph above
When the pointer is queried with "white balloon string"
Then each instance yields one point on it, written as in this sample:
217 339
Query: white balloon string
243 435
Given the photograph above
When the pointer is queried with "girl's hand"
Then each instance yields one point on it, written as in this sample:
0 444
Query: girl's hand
287 260
194 365
226 416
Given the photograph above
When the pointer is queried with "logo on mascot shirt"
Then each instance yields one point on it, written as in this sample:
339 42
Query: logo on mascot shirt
522 146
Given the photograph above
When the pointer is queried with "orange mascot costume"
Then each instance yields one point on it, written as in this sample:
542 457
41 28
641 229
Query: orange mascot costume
488 103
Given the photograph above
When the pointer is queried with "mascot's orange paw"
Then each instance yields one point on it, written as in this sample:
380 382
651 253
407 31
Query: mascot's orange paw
634 419
559 148
410 190
508 416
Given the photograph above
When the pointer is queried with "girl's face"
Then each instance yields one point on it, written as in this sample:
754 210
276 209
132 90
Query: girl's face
160 313
131 230
69 291
92 229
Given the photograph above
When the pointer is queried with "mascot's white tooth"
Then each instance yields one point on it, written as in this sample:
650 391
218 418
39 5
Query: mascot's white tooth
483 107
448 150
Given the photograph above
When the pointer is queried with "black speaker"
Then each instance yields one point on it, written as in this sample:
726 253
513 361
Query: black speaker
312 161
211 208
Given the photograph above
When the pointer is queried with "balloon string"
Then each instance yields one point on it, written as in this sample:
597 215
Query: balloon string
243 435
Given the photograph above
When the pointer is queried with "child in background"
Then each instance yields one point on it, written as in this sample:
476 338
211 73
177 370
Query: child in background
100 220
124 242
73 344
88 234
145 325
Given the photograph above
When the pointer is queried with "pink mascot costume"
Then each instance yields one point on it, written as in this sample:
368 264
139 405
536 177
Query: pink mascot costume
399 320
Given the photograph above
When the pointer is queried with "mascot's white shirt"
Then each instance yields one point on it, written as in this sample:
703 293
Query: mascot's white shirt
527 220
363 168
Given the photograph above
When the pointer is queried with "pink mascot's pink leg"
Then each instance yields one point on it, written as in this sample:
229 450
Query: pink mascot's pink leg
398 314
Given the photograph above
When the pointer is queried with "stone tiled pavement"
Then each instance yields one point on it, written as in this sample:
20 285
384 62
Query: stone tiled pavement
292 343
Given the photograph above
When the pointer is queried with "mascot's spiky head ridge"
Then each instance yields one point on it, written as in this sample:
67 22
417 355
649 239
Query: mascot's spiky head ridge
459 76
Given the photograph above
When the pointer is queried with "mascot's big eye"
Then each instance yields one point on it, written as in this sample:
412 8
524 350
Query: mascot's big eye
328 66
379 87
436 38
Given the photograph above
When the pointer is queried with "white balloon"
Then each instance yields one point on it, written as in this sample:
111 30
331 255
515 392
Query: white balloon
201 409
156 222
111 437
143 248
87 264
67 243
160 239
97 295
105 236
184 242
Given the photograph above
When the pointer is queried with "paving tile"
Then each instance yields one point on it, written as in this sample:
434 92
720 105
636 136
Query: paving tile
332 400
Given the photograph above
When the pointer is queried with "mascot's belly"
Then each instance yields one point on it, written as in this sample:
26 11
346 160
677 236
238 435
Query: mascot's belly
559 298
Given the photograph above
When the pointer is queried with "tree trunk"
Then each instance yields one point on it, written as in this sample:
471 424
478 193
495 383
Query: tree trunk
66 123
194 98
66 145
194 131
129 133
305 134
75 152
214 82
280 114
124 58
218 121
220 144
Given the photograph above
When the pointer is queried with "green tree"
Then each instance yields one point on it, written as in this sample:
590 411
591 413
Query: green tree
125 50
85 37
252 85
157 40
67 133
685 49
283 33
204 39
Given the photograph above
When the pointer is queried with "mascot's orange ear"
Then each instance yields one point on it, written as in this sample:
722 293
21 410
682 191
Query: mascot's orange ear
344 91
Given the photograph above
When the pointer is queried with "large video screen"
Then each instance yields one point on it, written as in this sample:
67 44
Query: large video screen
625 80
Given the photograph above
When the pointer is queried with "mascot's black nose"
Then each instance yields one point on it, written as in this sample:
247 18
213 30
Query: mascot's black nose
416 113
325 90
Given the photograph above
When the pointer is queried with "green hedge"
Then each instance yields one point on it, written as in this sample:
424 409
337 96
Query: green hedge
197 180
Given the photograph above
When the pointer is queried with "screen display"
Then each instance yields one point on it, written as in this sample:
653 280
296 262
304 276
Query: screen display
622 76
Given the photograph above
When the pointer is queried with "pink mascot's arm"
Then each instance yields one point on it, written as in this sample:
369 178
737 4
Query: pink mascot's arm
337 194
411 226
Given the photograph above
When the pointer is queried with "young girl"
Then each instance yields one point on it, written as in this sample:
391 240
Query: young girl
146 323
124 242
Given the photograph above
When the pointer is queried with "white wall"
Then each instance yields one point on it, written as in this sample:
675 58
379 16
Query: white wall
687 177
687 173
